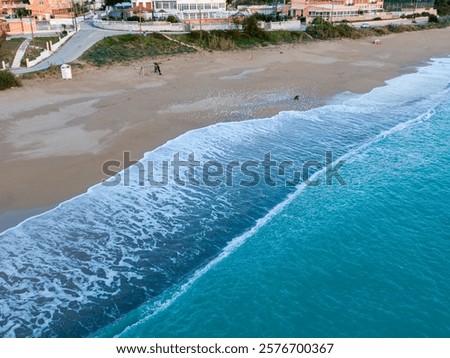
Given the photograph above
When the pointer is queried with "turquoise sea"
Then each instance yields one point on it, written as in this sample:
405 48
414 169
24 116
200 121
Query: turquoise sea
244 258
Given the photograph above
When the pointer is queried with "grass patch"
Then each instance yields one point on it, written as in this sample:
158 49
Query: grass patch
284 36
8 80
131 47
323 30
234 39
9 48
38 45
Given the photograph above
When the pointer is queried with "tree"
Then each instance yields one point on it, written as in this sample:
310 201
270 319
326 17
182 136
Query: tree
23 13
433 18
252 29
442 7
172 19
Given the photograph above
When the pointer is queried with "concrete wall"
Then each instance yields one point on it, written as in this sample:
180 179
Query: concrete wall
144 26
45 54
67 22
284 25
19 26
214 26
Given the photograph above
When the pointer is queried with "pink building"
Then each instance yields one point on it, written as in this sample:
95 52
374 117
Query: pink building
44 9
337 10
40 9
9 7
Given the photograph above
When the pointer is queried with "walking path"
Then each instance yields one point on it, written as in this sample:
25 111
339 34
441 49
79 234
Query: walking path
20 53
86 37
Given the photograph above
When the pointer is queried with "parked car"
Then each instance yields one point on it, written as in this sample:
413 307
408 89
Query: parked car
365 26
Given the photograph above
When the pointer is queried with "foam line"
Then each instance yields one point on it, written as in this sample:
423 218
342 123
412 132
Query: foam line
235 243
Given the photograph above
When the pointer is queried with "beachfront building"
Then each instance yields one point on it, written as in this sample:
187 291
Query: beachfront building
39 9
142 5
164 8
46 9
143 9
337 10
196 10
165 5
11 7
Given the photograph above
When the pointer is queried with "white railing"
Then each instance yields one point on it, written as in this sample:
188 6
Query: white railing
47 53
156 26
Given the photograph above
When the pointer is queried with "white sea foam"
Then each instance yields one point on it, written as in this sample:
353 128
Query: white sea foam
80 257
151 309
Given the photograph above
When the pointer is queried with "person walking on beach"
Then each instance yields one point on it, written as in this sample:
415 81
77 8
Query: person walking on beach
156 69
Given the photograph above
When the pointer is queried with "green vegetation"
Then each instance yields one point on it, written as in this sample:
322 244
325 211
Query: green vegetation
324 30
433 18
172 19
9 48
8 80
251 35
132 47
235 39
442 7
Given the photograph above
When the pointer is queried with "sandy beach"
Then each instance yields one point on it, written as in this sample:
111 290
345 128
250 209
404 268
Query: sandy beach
55 134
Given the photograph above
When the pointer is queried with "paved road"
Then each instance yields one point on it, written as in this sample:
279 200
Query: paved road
74 48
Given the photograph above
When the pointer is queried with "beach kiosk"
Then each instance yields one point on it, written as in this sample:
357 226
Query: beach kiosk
66 72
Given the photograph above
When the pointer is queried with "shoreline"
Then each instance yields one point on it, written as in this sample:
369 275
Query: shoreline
56 134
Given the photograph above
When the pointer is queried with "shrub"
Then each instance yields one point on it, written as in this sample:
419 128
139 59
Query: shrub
172 19
8 80
252 29
347 31
323 30
393 28
135 18
380 31
216 42
433 18
283 36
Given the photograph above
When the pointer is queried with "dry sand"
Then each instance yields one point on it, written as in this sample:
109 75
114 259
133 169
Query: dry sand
56 134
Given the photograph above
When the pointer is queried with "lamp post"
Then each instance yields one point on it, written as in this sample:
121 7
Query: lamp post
140 20
332 10
31 27
74 19
200 20
414 10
